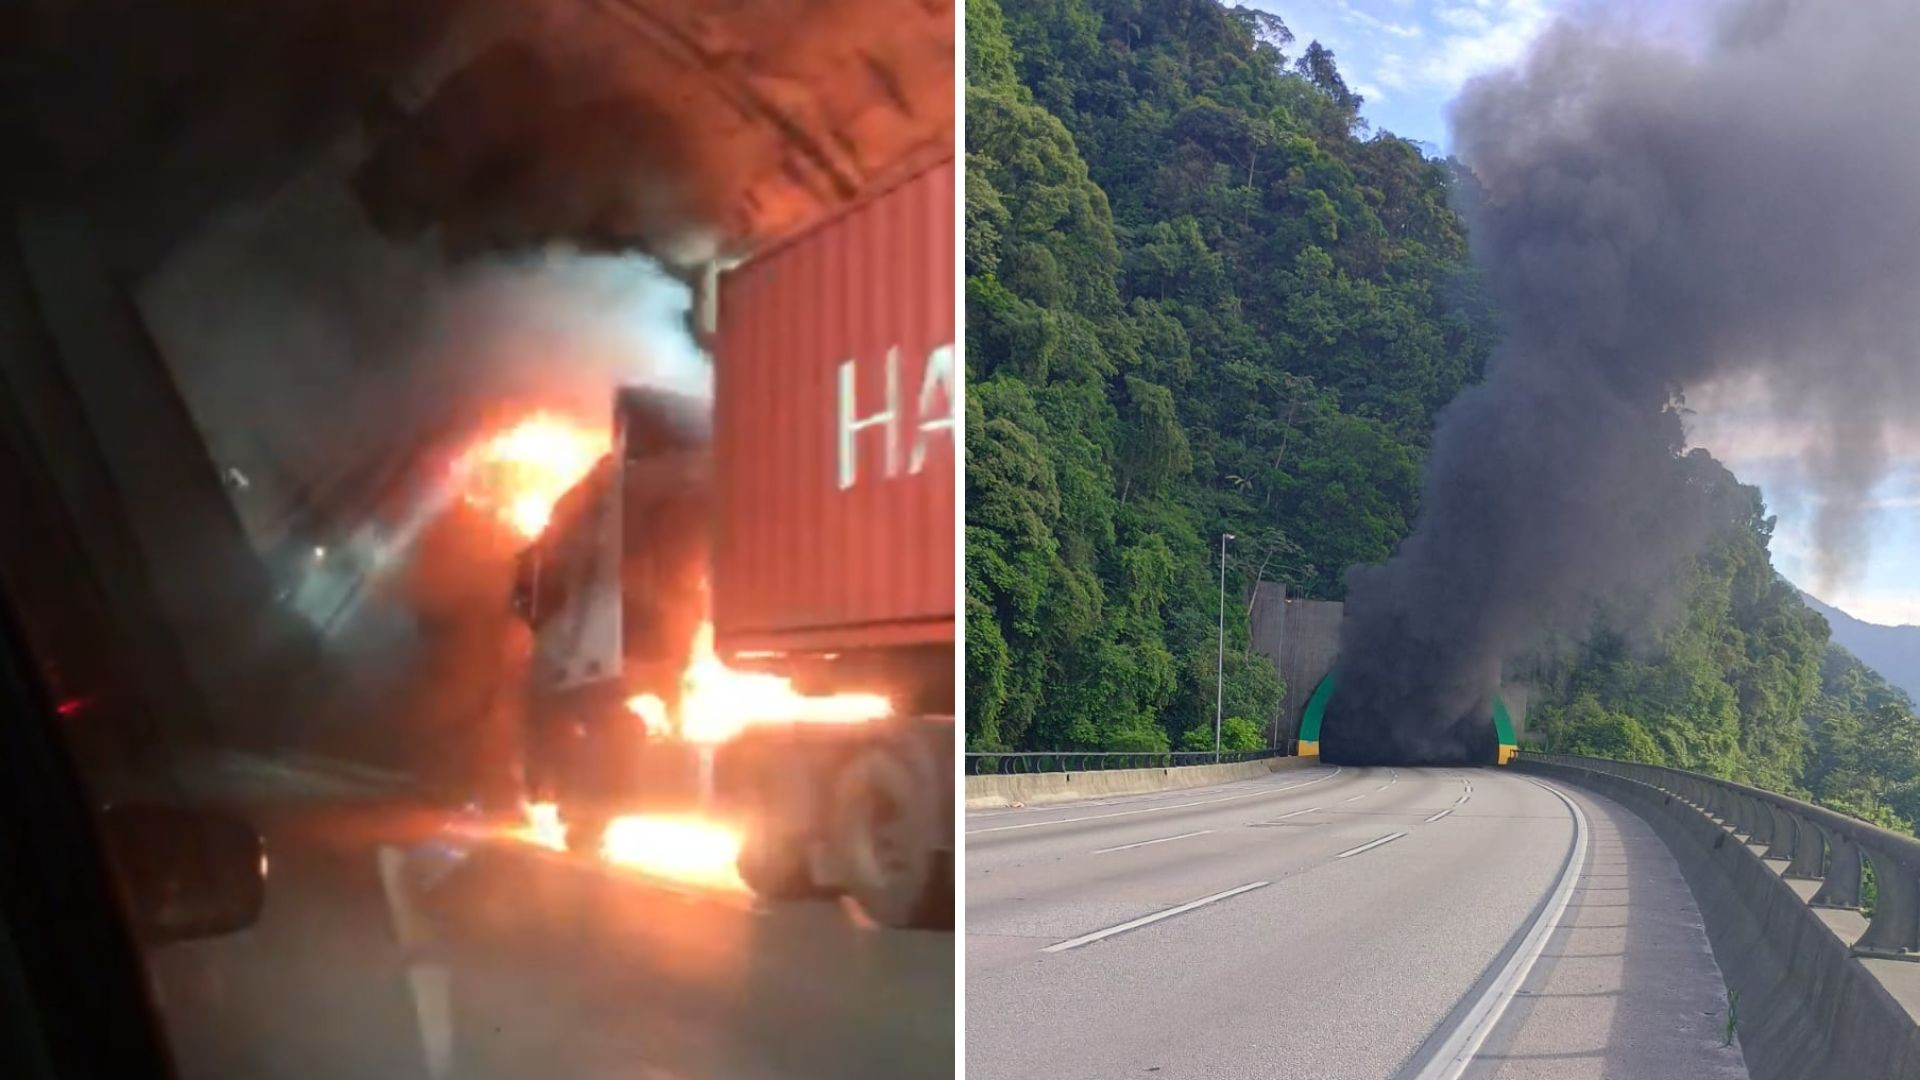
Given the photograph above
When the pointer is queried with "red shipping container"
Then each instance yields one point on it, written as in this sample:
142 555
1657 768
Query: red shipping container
835 431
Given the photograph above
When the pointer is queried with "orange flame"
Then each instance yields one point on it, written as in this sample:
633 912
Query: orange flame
690 850
543 826
718 703
687 850
521 472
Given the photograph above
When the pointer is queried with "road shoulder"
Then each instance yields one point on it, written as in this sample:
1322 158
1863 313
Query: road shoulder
1627 988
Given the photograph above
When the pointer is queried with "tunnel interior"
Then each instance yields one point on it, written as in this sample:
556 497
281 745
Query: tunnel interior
1483 737
327 242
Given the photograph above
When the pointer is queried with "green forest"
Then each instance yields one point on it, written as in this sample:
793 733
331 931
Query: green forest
1204 297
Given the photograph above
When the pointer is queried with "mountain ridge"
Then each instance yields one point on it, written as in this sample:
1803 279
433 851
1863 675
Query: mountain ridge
1893 651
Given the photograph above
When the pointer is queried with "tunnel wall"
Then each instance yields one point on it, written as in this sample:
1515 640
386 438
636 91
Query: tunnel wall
1518 697
1301 638
133 472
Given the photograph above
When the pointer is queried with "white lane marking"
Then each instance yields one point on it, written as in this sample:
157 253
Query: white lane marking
1088 939
432 986
1439 815
430 983
1144 843
1297 813
1370 845
1362 795
1457 1052
1151 809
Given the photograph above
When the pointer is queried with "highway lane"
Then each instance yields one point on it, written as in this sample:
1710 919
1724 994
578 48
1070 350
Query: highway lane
1319 923
532 963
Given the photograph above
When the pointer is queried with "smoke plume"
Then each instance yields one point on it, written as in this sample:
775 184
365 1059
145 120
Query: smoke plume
332 366
1651 219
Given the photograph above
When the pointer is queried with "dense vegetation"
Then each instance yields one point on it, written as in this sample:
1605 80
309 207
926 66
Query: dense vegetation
1198 301
1741 682
1203 298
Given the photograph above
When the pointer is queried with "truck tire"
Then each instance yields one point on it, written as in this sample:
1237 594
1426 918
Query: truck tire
584 831
777 867
884 835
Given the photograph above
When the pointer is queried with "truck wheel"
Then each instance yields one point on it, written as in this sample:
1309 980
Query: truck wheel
584 832
884 830
777 868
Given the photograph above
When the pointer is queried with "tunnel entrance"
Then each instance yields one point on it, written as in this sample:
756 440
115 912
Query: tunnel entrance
1489 741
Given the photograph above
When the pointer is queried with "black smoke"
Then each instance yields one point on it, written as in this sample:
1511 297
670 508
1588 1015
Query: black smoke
1652 219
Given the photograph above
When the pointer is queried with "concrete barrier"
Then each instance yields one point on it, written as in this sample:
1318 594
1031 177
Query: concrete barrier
1809 1008
1038 789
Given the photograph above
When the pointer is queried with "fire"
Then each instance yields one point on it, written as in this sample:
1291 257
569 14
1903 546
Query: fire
521 472
690 850
718 703
543 826
687 850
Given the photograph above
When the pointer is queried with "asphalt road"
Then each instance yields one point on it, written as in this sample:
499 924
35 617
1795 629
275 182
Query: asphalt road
1332 924
528 963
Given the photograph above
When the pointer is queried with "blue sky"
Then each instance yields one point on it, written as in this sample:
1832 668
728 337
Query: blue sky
1409 58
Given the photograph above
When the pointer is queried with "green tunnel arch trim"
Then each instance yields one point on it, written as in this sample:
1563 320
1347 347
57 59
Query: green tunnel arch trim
1316 715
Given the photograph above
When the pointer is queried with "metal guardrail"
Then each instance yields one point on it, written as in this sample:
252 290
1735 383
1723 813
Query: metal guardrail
1817 844
1058 761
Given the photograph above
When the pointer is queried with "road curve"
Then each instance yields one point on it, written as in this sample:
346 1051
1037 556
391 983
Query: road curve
1326 923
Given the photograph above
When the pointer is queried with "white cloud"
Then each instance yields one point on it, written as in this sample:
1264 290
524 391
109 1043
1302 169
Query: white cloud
1488 35
1392 72
1417 55
1406 31
1885 608
1464 18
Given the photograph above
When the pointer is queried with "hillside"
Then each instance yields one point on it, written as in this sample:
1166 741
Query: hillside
1202 298
1893 651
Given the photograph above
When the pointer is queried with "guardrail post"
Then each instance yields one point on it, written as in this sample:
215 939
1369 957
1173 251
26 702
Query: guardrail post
1712 800
1782 837
1731 803
1894 929
1809 852
1842 886
1755 823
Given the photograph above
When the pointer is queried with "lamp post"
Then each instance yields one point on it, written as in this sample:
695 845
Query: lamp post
1220 664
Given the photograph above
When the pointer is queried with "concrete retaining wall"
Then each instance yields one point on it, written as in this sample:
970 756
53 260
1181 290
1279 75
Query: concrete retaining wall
1301 637
1036 789
1809 1009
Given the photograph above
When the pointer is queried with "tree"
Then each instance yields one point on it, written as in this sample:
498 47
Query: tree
1153 449
1317 65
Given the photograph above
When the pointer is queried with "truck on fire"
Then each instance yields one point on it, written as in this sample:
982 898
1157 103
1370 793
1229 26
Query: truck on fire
802 531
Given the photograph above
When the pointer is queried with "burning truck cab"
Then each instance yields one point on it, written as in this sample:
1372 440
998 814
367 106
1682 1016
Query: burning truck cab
614 590
748 611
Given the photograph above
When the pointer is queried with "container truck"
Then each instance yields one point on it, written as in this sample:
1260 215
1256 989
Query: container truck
814 520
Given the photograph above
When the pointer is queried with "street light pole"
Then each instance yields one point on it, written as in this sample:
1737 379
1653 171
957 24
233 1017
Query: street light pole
1220 664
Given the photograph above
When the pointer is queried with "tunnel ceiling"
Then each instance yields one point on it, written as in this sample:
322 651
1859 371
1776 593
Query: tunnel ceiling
671 126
